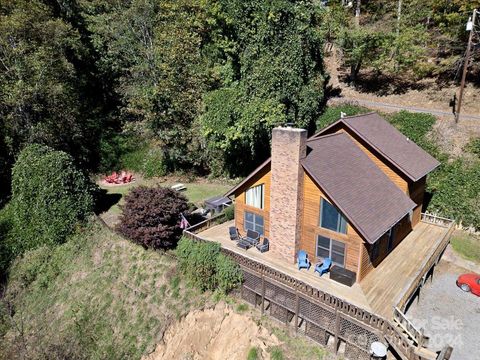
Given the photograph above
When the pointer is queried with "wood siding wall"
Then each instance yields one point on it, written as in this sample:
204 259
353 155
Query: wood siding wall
417 193
311 229
263 177
402 229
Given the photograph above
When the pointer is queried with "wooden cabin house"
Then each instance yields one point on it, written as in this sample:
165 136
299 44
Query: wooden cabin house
351 192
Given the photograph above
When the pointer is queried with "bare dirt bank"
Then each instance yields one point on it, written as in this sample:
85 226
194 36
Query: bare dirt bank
217 333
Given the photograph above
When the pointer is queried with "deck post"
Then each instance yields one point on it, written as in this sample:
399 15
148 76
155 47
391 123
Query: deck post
297 304
421 340
337 329
263 294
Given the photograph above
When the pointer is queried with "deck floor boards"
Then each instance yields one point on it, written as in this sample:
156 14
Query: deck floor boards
385 283
380 288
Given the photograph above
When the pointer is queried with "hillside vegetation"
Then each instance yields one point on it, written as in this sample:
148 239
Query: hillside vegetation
97 296
405 40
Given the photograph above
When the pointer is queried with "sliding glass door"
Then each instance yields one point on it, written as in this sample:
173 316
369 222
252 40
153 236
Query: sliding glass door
330 248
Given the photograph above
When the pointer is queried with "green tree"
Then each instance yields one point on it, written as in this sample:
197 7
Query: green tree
39 84
359 46
49 198
153 51
269 61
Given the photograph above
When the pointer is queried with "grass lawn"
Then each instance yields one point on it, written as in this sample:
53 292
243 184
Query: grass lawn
467 245
97 296
196 192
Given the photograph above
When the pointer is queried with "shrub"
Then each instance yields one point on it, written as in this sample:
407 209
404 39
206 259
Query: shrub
49 198
332 114
227 274
153 164
229 212
131 151
151 216
205 267
198 261
252 354
276 353
133 159
123 151
473 146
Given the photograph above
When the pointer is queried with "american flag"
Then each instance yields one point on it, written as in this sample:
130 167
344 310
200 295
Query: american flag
183 222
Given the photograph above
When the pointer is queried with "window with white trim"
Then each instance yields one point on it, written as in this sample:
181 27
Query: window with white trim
255 196
329 248
331 218
254 222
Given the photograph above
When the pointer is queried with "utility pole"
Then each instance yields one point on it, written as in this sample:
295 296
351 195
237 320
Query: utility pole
465 65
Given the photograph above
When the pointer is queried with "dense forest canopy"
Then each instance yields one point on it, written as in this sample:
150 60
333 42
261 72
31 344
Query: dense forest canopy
196 85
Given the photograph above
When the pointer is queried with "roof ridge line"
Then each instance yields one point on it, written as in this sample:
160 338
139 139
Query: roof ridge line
312 139
359 115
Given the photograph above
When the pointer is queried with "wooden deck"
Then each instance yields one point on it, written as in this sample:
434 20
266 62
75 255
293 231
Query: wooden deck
384 285
381 289
354 294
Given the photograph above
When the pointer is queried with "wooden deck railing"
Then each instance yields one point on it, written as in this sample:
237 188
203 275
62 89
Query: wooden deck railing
205 224
412 331
417 335
390 330
429 262
437 220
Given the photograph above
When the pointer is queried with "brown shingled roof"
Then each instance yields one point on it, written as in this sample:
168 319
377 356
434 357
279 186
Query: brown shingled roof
403 153
244 181
371 202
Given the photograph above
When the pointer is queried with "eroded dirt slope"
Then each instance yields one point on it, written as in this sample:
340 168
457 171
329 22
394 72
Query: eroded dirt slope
217 333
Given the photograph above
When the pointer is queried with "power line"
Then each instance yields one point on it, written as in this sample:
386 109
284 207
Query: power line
471 23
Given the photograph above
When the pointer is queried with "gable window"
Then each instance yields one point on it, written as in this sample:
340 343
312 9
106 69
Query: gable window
331 218
329 248
255 196
253 222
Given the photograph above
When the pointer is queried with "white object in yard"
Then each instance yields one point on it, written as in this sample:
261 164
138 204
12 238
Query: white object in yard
378 350
469 24
179 187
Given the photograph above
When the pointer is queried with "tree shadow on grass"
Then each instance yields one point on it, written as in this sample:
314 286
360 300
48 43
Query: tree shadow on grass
105 200
372 82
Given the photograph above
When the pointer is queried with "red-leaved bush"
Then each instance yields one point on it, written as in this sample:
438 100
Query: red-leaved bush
151 216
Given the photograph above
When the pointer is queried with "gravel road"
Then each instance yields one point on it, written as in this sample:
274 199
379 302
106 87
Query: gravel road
448 315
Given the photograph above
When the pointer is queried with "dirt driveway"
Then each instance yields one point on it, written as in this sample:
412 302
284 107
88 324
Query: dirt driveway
448 315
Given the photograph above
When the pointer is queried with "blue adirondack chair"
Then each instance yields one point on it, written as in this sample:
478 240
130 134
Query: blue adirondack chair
302 260
324 267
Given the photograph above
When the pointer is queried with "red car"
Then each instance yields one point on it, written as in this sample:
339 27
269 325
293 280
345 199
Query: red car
469 282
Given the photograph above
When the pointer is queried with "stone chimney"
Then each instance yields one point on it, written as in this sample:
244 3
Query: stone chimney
286 191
